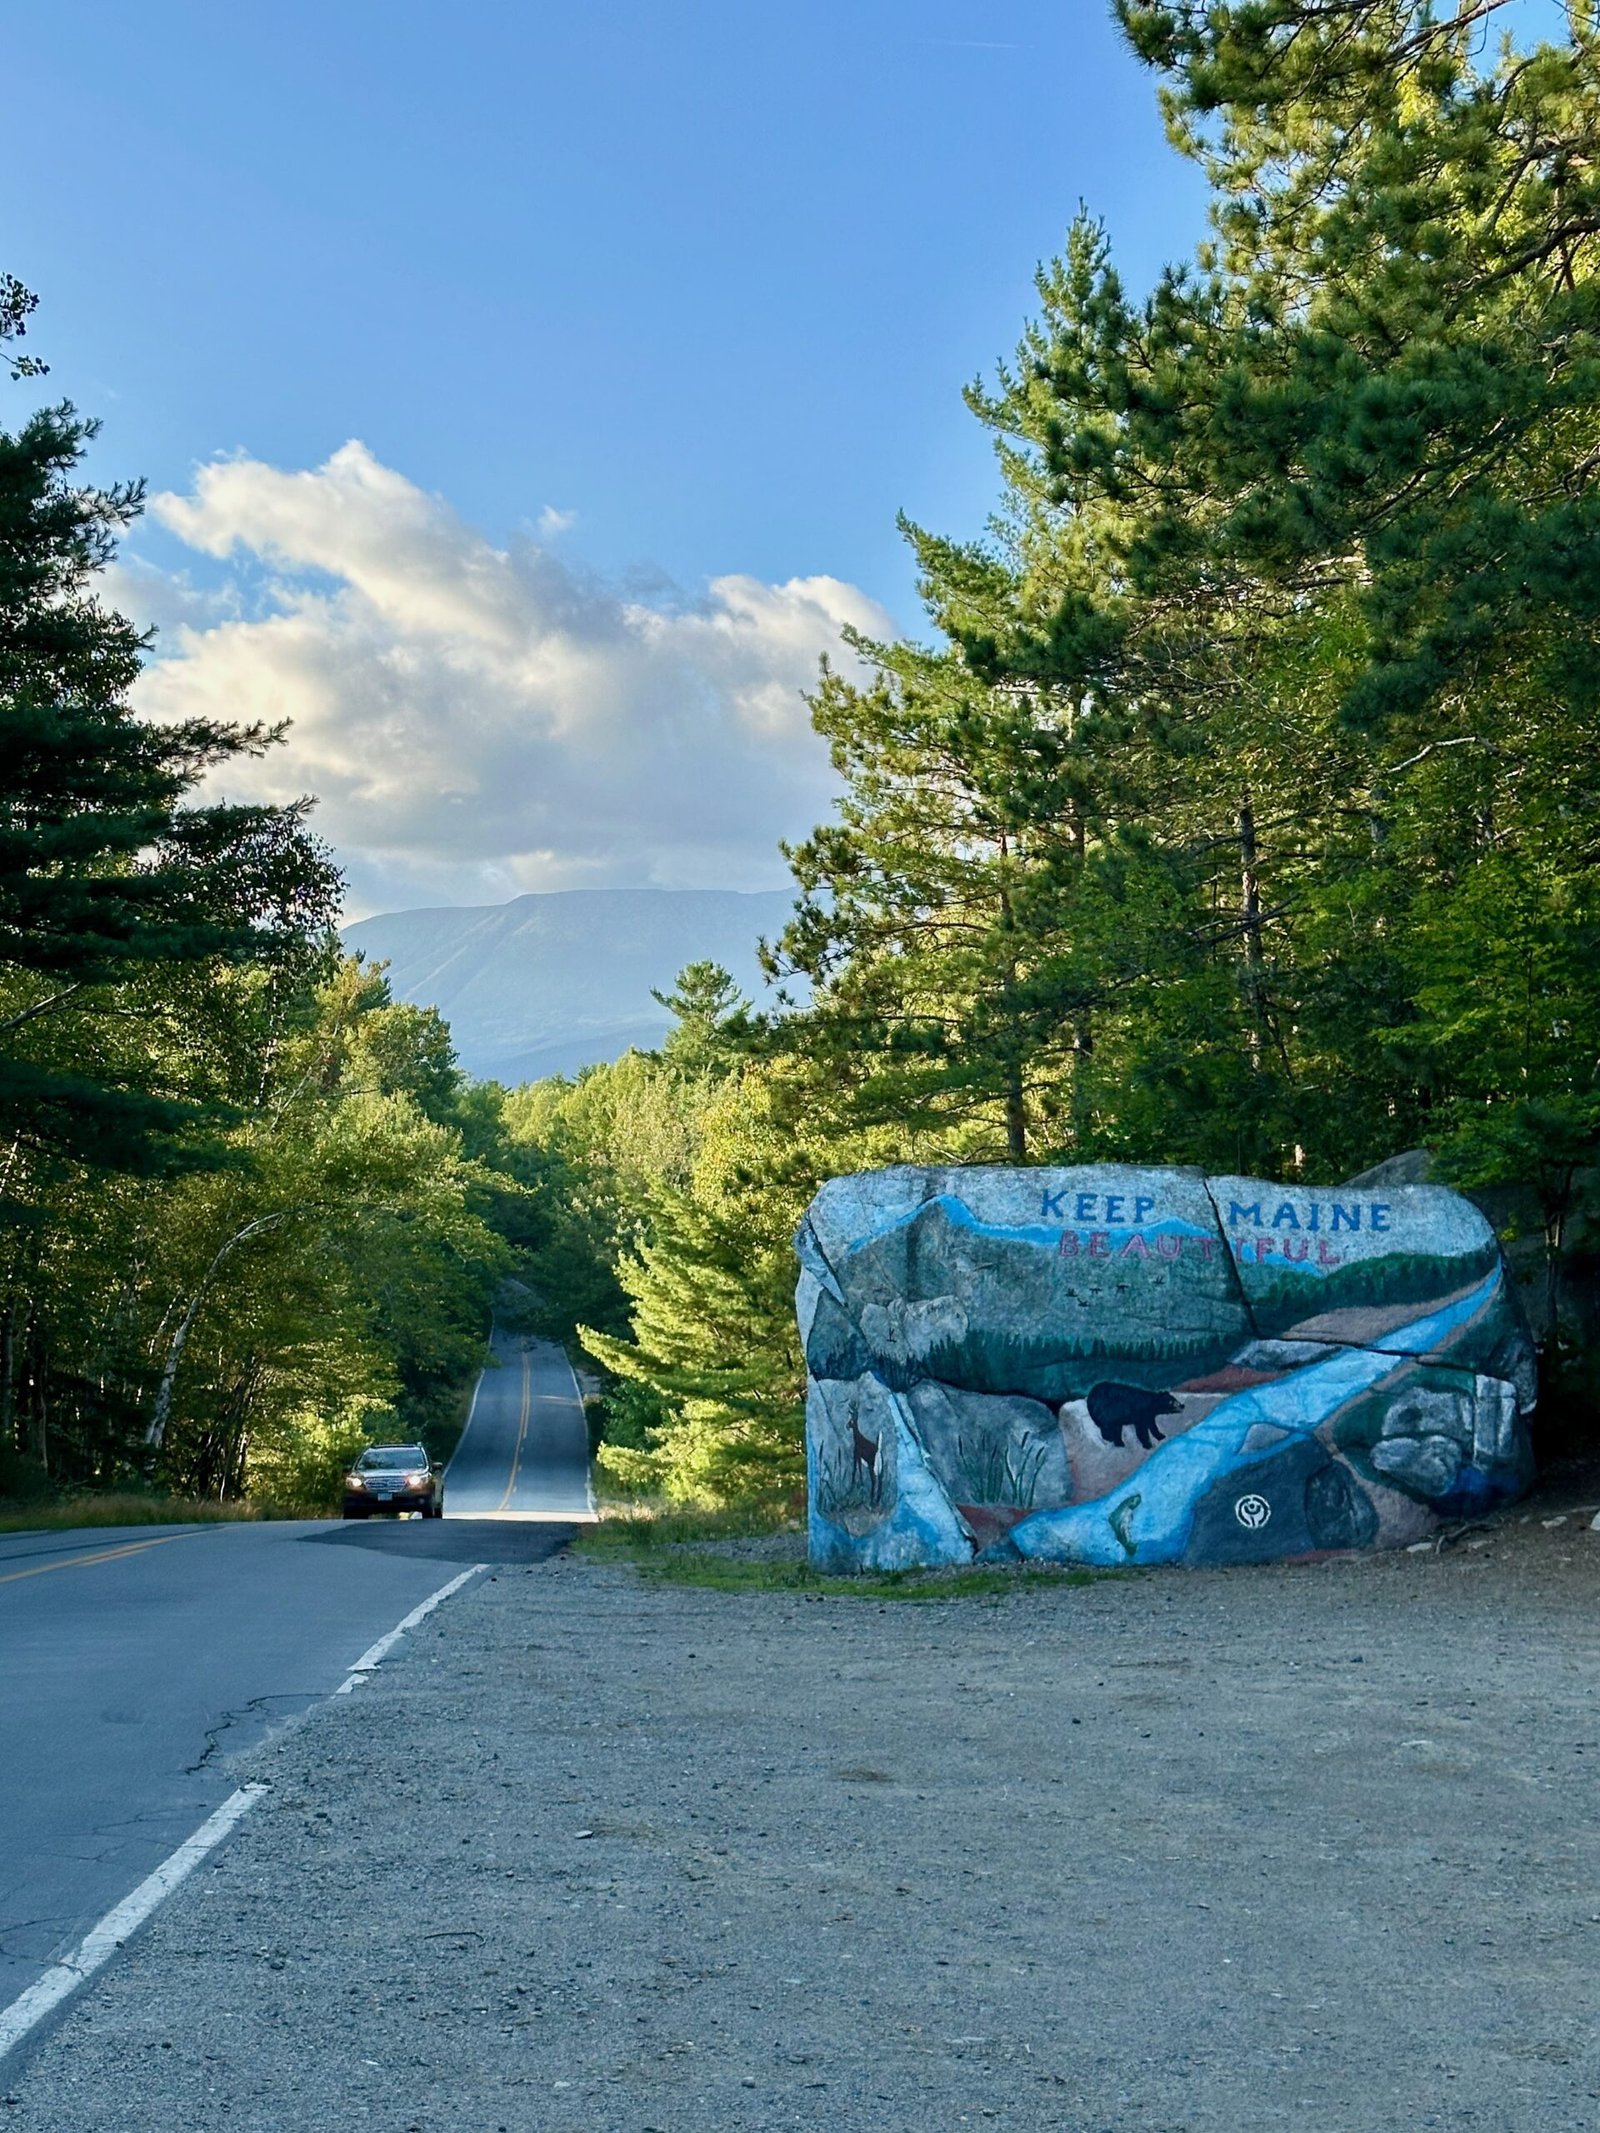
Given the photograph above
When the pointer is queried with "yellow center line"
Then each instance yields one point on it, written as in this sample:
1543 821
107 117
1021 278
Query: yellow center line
101 1555
522 1431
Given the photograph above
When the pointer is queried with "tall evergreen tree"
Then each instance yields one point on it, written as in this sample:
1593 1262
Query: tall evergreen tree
1389 375
954 926
113 885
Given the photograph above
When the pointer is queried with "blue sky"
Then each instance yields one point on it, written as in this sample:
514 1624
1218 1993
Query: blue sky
707 279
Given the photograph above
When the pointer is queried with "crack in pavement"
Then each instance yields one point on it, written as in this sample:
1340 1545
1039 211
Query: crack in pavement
300 1701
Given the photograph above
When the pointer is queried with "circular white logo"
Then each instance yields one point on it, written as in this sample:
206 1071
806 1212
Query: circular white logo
1252 1512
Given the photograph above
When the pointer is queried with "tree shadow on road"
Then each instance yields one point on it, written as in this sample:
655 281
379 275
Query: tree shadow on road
453 1540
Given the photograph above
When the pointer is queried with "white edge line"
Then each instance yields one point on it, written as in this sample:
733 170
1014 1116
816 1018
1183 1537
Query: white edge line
588 1463
375 1654
124 1920
118 1925
472 1407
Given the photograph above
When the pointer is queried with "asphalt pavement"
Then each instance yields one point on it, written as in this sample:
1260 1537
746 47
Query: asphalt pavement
524 1453
140 1662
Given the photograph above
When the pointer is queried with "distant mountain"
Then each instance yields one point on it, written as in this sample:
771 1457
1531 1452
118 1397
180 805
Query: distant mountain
550 983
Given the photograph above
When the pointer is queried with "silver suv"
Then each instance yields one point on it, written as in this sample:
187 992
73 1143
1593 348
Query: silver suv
392 1477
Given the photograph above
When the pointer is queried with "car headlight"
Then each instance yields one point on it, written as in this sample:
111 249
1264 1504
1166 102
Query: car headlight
418 1481
354 1481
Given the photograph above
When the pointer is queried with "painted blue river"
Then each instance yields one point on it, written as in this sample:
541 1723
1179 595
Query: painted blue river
1153 1510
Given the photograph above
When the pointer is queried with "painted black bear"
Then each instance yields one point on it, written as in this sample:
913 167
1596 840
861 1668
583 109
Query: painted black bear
1113 1407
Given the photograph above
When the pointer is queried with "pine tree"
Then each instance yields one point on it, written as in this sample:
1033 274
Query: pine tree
714 1351
710 1017
112 889
1390 376
954 924
709 1383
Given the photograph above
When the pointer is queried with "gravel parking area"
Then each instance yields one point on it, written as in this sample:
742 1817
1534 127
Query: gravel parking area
1310 1847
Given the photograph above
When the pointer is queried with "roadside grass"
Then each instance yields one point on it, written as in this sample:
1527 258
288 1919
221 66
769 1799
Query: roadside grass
634 1527
55 1514
661 1543
722 1573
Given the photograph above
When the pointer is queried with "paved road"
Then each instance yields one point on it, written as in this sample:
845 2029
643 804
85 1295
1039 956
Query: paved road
138 1661
525 1450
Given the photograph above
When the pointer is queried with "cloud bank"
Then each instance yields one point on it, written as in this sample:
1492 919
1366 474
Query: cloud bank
476 721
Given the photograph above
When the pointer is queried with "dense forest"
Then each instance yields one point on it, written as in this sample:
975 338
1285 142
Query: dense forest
1241 807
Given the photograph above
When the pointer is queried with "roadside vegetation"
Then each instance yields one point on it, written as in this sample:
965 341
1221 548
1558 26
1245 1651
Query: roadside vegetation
1240 808
110 1507
683 1549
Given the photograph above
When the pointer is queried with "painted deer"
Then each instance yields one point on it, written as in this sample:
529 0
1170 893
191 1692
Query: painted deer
866 1456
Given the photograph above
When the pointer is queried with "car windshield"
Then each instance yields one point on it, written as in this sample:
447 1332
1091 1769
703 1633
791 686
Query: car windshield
392 1455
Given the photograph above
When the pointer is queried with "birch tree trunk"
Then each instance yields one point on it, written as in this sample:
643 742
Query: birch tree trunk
161 1411
1250 929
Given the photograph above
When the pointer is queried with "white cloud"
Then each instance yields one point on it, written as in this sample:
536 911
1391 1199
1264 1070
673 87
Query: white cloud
550 521
477 721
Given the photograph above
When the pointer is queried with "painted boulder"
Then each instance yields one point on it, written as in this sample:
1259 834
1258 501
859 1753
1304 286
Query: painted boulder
1111 1366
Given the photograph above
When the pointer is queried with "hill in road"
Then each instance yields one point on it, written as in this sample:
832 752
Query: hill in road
552 982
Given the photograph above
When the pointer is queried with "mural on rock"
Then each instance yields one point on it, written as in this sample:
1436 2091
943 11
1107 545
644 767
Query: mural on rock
1112 1366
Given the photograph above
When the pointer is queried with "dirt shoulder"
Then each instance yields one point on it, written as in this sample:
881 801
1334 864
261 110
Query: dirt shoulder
1311 1847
